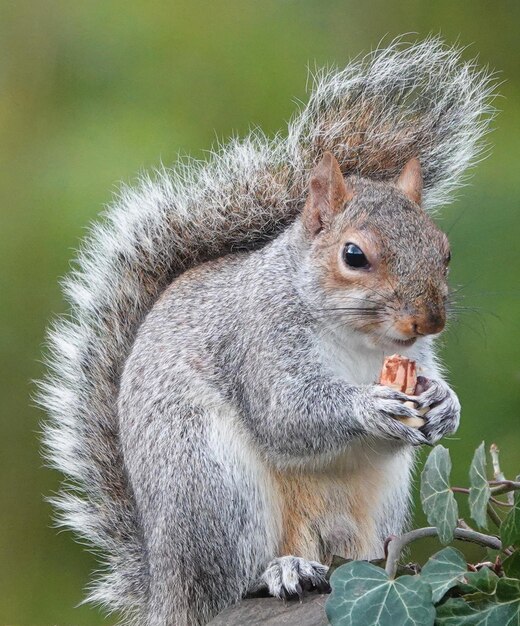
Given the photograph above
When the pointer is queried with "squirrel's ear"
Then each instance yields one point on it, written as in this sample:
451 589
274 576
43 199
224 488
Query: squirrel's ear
328 194
410 180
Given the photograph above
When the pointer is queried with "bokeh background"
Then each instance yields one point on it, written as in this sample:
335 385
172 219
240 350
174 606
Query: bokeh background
93 92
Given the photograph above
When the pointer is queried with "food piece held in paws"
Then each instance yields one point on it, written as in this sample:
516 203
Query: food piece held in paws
400 373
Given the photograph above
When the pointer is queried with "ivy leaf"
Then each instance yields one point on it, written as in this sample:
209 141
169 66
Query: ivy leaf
363 594
479 491
511 565
510 529
484 581
503 609
437 498
443 571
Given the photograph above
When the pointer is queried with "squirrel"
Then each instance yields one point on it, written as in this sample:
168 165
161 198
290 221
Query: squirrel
213 396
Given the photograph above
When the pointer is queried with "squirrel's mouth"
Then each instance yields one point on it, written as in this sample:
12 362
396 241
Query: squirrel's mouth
403 342
388 340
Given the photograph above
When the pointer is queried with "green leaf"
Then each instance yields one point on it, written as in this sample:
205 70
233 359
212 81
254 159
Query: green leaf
363 594
510 529
511 565
479 491
484 581
437 498
443 571
503 610
508 589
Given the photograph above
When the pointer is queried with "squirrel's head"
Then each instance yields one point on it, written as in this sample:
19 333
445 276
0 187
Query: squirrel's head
378 260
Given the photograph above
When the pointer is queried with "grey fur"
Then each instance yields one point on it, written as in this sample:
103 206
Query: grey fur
374 115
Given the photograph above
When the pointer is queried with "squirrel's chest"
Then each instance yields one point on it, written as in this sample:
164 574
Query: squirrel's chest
351 360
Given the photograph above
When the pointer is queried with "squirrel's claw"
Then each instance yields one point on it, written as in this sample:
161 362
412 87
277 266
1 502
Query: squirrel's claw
444 415
385 404
287 577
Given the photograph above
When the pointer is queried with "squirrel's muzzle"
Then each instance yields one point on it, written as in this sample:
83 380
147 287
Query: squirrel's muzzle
427 321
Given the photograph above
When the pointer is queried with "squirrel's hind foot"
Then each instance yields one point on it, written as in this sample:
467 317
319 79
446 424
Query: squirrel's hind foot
289 576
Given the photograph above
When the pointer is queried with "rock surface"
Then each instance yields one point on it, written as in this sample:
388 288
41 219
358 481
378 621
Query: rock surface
274 612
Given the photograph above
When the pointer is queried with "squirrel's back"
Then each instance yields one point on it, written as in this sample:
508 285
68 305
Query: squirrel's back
400 102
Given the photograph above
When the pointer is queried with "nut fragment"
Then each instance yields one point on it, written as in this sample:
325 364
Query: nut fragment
400 373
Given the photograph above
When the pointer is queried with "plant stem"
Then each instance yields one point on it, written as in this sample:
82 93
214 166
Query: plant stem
397 545
503 486
466 491
493 515
463 524
497 472
460 489
500 503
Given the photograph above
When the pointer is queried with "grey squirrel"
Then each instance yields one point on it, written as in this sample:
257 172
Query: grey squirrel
213 400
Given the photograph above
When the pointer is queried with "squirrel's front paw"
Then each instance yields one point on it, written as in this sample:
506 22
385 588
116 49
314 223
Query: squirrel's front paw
444 413
384 405
288 576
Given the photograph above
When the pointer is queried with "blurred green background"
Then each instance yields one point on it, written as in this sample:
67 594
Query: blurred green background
92 92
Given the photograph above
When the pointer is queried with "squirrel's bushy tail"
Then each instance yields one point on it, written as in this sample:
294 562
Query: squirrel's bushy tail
397 103
421 100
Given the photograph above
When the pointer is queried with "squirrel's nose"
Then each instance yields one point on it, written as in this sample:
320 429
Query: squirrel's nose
430 323
423 323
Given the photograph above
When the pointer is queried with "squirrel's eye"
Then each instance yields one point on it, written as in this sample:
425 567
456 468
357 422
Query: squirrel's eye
448 258
355 257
